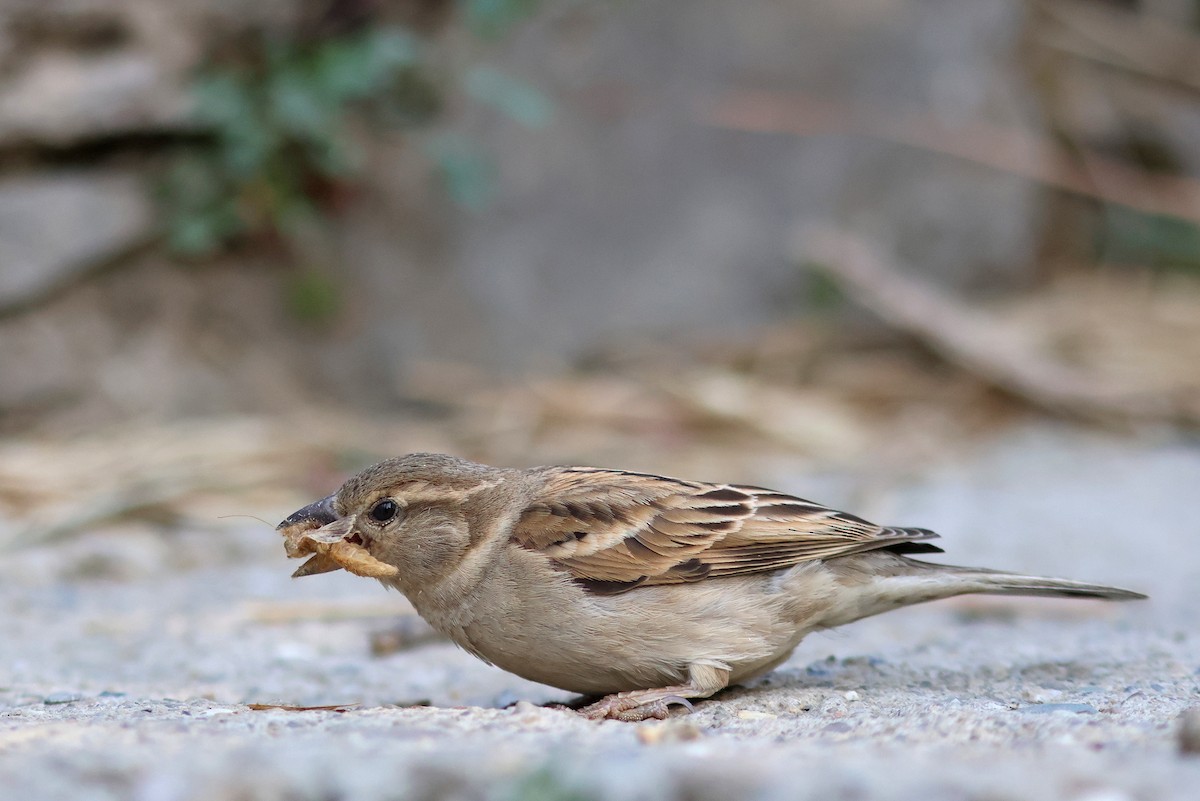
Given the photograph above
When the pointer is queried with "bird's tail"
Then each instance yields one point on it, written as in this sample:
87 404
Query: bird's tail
878 582
996 582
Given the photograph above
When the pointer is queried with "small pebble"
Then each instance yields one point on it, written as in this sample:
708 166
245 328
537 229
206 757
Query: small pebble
675 731
1042 695
527 712
834 706
1189 732
851 695
61 698
751 714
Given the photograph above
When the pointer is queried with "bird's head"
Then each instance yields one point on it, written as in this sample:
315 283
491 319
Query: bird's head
407 520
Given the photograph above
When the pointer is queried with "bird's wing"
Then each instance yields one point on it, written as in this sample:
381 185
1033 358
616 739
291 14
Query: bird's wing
615 530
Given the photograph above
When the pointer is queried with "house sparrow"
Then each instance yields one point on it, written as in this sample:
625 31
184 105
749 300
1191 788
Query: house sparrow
643 589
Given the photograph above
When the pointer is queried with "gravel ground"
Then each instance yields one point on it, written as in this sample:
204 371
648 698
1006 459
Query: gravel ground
130 664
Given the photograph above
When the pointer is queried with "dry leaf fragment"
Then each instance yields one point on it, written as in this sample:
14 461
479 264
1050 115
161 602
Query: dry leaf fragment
333 546
290 708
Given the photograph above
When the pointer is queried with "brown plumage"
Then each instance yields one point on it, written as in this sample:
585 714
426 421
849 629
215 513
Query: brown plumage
646 589
628 529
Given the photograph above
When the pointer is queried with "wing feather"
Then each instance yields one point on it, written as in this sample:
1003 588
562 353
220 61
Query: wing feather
615 530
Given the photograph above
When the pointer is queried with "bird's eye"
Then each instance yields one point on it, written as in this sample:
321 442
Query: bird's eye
384 511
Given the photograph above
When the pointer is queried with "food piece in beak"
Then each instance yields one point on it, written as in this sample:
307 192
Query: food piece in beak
316 529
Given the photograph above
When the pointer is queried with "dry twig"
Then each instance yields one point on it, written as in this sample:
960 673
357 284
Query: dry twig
1011 358
1078 171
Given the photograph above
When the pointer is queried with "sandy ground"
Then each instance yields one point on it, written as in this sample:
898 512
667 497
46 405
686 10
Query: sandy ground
127 666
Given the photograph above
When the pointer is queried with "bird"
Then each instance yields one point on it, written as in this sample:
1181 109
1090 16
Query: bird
642 591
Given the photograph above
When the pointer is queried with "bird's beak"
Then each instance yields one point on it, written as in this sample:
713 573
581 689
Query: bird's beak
321 513
310 520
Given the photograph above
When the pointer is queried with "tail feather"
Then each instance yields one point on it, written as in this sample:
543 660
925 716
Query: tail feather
878 582
1012 584
997 582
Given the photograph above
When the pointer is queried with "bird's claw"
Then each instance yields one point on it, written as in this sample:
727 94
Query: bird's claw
630 708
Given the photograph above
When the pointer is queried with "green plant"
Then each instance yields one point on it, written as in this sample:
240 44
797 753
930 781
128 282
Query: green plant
543 784
493 18
282 141
285 125
1134 237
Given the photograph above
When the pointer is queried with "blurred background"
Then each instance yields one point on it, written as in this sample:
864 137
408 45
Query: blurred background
247 247
933 261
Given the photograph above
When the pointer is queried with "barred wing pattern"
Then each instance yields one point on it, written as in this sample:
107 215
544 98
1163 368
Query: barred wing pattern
615 530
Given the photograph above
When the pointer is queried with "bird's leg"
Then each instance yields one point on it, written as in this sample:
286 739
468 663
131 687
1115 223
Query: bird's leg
704 679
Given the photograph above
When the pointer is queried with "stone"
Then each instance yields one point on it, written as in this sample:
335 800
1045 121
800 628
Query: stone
59 99
56 227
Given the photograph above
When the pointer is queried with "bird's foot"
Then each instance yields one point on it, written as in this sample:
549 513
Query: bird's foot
634 706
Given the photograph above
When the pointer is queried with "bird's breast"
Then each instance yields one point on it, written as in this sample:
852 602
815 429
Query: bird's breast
527 617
